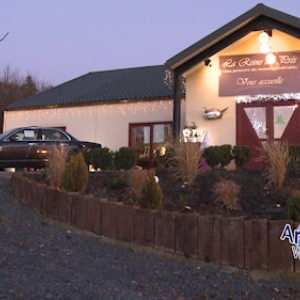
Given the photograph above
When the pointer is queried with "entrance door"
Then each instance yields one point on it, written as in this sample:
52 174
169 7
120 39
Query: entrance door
259 122
149 140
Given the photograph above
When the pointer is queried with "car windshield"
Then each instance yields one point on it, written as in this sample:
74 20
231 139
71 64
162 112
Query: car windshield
6 134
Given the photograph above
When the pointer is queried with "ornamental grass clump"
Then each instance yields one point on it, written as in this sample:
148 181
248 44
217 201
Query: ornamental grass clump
292 207
56 165
76 175
276 155
226 194
185 160
151 197
136 180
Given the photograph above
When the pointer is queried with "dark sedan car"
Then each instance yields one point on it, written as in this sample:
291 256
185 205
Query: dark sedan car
30 146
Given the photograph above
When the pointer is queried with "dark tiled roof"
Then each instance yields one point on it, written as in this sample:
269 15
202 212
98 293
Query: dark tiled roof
143 83
260 17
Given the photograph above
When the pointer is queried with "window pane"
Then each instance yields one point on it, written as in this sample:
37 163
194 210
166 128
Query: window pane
53 135
162 133
282 116
257 117
140 140
25 135
159 133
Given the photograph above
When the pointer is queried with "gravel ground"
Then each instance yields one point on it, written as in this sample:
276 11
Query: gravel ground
44 259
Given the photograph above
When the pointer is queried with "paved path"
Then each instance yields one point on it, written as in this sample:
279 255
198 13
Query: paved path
44 259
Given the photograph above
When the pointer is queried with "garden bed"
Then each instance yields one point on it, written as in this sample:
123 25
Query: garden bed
256 198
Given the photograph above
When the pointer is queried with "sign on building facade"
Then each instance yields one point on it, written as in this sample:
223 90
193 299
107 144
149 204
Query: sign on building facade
249 74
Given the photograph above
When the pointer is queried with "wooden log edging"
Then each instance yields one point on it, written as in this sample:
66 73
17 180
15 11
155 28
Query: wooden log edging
229 241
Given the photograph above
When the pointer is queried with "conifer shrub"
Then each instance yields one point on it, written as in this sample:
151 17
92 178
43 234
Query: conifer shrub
152 194
292 207
241 155
101 158
125 158
76 175
294 163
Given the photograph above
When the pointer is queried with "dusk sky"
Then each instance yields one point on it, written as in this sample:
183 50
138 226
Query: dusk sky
59 40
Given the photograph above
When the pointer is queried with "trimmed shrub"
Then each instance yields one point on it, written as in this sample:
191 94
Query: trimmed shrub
241 155
211 156
76 174
224 155
125 158
152 194
101 158
292 207
217 155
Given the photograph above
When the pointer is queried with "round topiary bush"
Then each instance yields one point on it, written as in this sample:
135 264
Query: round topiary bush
125 158
101 158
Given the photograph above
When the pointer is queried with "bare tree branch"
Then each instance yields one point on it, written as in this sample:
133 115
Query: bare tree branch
4 37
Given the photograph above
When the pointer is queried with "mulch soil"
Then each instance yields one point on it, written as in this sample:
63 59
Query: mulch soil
44 259
256 199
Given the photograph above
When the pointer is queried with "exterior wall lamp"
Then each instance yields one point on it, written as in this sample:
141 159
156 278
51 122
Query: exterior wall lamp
265 48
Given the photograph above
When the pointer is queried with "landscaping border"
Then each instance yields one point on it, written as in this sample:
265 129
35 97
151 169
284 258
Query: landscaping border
229 241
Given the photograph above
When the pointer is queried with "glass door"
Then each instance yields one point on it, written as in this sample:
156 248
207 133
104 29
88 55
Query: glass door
149 141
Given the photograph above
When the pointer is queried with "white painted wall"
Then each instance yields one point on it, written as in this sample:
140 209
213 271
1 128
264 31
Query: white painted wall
106 123
202 84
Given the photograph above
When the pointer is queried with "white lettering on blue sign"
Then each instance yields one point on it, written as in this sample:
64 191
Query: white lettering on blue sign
293 237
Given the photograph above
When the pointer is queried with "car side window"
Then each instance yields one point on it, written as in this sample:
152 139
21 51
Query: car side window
53 135
24 135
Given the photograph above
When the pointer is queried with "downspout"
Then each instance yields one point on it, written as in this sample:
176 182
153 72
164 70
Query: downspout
177 106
